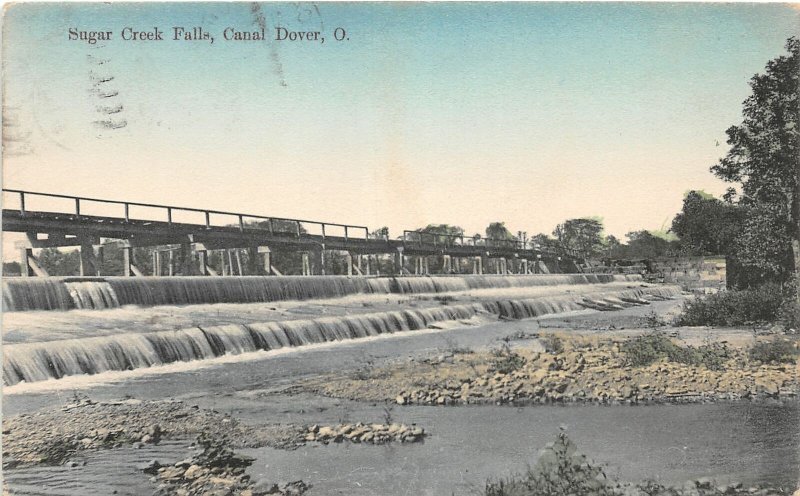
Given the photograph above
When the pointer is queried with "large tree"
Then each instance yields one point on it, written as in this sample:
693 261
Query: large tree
585 236
707 226
765 150
499 231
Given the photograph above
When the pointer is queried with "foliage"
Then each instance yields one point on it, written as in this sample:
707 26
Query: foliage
762 250
12 269
582 235
643 244
775 351
60 263
763 160
381 233
499 231
790 316
560 470
644 350
506 360
544 242
734 307
552 343
707 226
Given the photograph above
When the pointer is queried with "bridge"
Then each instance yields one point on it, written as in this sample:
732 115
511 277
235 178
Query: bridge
183 237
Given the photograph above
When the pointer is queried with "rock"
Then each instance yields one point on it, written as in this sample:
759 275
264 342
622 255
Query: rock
150 467
193 472
263 486
400 400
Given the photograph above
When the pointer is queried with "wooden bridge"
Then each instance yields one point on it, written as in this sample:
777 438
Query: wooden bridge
54 220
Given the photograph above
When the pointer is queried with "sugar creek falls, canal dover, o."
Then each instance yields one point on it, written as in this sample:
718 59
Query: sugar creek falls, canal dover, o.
364 385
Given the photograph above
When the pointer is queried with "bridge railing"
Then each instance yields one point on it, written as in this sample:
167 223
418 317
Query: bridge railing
170 214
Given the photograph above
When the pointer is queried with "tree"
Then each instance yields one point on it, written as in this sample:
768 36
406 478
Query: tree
643 244
499 231
581 235
707 226
763 157
382 233
59 263
439 233
613 247
544 242
11 269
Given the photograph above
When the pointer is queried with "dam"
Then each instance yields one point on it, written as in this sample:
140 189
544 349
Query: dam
57 327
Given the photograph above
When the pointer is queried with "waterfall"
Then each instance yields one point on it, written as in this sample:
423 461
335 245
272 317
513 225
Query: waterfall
35 294
92 294
39 361
67 293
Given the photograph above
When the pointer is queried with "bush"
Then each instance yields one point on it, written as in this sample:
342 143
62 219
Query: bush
552 343
560 470
790 316
644 350
506 361
734 307
777 351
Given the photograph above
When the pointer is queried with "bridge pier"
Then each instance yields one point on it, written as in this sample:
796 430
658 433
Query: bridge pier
542 267
88 262
399 262
29 265
447 267
202 262
348 259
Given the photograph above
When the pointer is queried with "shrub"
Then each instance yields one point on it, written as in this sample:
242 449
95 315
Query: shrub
506 361
790 316
776 351
560 470
552 343
734 307
644 350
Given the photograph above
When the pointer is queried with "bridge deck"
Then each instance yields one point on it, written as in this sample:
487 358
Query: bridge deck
246 230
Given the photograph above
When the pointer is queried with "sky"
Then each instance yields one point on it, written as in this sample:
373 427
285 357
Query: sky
457 113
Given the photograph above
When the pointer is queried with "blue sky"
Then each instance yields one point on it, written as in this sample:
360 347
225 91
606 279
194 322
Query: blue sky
430 113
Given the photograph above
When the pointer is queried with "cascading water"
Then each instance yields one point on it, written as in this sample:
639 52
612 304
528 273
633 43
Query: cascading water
39 361
25 294
92 294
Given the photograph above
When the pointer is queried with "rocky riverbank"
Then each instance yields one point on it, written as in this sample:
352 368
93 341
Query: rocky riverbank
85 425
576 369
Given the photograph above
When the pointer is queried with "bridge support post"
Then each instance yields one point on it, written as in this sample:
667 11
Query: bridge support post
348 260
29 266
266 255
399 262
319 259
542 267
88 264
447 267
186 257
202 255
127 261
